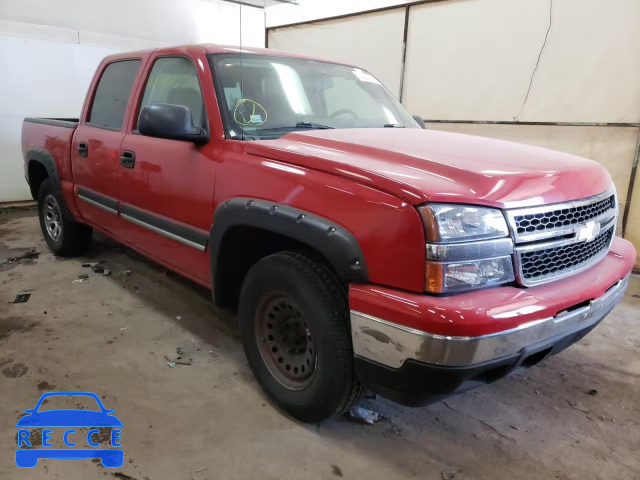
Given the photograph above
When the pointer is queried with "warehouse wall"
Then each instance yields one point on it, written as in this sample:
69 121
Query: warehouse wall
485 52
381 54
309 10
49 52
561 74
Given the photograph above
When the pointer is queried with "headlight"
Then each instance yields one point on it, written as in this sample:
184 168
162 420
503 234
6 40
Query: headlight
460 276
467 248
455 223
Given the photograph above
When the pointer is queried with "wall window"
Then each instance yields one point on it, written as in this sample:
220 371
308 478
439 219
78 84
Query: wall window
174 80
112 94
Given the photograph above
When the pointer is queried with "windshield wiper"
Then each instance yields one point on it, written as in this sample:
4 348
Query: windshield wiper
312 125
297 125
393 125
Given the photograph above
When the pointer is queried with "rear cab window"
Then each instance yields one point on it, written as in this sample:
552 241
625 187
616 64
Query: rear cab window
112 94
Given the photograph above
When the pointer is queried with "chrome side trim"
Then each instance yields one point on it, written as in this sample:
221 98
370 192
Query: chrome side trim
97 204
469 250
391 344
163 232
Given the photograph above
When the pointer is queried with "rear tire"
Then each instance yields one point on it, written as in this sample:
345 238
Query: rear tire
64 237
294 320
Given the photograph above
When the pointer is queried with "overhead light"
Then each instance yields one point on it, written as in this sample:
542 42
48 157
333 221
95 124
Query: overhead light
264 3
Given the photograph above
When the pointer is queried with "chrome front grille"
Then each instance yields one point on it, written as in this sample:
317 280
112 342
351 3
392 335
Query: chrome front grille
562 217
554 241
548 261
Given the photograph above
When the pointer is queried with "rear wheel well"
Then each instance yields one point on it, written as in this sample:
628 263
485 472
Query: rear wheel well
37 174
240 249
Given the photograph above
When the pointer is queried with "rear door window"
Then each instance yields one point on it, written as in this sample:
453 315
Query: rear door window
112 94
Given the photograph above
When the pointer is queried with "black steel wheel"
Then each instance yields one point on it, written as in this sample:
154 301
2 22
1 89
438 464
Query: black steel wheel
284 341
294 319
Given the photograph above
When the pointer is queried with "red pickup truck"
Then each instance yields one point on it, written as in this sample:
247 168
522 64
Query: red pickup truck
361 250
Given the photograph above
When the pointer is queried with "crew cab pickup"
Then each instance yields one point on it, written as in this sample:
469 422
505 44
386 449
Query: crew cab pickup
359 249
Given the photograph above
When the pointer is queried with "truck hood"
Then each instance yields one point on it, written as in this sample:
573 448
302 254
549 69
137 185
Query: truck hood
425 165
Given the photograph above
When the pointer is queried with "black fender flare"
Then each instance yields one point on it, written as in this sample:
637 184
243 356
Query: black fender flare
337 244
43 157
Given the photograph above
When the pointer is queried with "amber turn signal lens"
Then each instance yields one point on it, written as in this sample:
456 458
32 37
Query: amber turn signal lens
434 279
467 275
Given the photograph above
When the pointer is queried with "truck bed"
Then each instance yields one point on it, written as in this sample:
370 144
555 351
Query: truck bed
58 122
49 141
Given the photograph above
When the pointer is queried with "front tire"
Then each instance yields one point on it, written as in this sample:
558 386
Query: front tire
294 320
64 237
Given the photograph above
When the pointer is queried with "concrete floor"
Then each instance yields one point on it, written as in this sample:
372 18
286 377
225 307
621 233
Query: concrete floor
209 420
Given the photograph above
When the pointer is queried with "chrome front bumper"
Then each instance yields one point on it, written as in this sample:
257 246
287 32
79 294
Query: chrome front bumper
392 345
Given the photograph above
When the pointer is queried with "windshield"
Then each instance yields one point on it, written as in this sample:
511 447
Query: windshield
271 96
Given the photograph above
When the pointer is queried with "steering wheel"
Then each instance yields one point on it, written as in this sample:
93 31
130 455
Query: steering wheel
343 111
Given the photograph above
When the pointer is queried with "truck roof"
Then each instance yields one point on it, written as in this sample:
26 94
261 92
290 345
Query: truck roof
214 48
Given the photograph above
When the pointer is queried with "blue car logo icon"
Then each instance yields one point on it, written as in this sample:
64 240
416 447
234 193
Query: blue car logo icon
70 419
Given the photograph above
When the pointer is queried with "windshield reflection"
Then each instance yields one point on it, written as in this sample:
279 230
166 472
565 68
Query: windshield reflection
263 97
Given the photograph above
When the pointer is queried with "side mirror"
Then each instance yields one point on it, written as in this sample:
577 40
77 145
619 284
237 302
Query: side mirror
170 121
420 121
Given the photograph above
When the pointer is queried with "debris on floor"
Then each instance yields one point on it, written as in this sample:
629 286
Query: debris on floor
578 407
337 471
121 476
30 255
593 392
183 357
123 329
392 431
98 267
92 265
81 278
22 298
124 273
201 469
448 474
364 415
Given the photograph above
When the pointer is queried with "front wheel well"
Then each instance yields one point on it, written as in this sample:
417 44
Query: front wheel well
241 248
37 173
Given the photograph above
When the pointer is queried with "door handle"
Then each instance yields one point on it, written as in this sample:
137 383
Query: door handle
128 159
83 149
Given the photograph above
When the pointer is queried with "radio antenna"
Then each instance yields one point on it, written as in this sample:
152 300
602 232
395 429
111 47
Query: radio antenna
241 73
